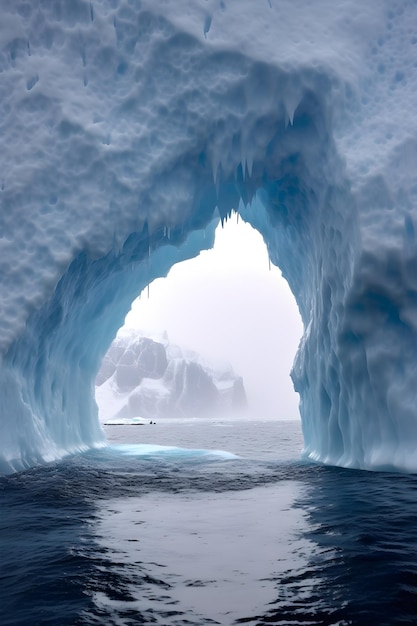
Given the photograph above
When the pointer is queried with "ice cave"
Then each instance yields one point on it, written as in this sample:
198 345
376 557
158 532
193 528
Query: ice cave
131 127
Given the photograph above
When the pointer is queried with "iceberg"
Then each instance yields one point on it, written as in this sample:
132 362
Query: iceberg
141 377
131 127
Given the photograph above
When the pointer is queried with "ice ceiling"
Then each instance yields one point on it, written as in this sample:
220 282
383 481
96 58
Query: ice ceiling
127 127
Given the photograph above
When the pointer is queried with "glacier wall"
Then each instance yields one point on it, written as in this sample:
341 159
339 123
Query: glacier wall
129 126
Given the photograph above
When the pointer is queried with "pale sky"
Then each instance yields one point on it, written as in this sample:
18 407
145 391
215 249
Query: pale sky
228 305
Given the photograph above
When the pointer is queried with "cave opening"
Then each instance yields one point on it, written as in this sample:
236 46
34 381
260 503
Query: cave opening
287 192
216 337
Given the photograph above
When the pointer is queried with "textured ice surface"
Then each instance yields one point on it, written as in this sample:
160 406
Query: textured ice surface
126 125
144 377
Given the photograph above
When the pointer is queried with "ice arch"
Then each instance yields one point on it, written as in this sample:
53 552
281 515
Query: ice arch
127 126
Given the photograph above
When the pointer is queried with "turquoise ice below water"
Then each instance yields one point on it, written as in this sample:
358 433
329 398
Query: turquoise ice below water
200 523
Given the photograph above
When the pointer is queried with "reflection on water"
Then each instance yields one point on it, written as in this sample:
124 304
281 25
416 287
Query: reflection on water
178 537
212 556
362 569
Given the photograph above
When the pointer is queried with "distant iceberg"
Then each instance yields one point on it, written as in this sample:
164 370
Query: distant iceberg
132 421
140 376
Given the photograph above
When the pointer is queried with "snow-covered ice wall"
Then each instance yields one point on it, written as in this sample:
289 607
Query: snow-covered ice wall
128 125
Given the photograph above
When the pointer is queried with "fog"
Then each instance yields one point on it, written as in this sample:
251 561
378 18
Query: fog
229 305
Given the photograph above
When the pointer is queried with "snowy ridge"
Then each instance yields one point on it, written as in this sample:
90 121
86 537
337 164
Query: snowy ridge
128 126
144 377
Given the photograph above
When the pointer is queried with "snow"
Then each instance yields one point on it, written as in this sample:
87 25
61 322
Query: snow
151 378
129 125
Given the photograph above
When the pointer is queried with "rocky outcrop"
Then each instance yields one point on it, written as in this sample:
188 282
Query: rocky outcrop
143 377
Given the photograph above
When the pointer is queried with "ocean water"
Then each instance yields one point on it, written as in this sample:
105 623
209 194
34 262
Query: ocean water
226 525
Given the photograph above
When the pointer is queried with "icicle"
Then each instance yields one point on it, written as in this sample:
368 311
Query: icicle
269 262
207 25
289 114
249 165
215 165
243 164
290 106
148 291
218 177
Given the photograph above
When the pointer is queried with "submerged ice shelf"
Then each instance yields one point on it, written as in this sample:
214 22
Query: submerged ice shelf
128 127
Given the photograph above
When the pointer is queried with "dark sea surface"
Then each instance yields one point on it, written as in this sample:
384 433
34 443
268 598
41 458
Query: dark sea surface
139 534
